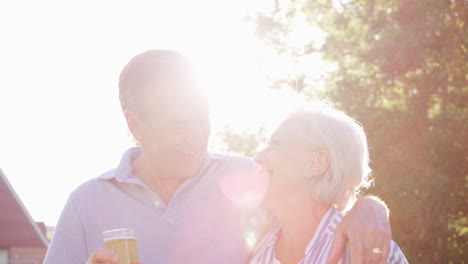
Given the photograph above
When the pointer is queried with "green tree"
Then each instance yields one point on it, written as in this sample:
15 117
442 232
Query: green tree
245 143
400 68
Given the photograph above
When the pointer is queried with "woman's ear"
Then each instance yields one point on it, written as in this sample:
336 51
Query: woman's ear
134 124
320 162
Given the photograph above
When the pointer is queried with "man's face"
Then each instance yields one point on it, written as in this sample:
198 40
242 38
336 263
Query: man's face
175 127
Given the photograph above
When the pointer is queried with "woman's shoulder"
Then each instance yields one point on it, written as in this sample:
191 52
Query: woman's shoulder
396 255
264 250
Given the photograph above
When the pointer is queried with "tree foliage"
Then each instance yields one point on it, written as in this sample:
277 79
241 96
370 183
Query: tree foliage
400 68
246 143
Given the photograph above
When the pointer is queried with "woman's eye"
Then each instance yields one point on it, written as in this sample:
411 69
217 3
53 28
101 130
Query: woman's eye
274 143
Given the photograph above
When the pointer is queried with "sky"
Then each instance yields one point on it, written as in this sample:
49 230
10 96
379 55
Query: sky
60 117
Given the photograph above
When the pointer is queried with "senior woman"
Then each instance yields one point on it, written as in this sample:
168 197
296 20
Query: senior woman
316 162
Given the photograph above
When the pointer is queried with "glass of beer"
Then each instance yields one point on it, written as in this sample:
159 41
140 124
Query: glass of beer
123 243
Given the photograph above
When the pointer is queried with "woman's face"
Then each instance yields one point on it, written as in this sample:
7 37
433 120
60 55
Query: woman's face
285 162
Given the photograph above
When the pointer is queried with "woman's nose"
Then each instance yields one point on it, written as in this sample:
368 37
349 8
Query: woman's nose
259 158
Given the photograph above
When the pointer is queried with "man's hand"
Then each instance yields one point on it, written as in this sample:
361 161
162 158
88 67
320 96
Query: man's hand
102 256
366 227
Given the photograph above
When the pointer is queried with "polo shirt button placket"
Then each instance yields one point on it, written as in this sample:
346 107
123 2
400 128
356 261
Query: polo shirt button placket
157 204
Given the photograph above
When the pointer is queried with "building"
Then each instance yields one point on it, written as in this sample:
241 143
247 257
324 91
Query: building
22 241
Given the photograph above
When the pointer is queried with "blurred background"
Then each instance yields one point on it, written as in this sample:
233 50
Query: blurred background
397 66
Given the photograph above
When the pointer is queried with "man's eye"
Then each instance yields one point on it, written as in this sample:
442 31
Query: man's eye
201 120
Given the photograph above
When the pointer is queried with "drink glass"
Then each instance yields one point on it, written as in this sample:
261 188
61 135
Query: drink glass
123 242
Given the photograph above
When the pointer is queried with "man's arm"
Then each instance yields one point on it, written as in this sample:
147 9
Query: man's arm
68 244
367 229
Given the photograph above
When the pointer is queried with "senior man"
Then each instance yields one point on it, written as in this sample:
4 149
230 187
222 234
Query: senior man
182 201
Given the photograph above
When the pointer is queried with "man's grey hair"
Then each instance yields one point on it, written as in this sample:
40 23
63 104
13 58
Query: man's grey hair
147 67
324 127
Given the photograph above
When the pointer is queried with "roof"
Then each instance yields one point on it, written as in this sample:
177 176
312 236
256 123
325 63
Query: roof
17 228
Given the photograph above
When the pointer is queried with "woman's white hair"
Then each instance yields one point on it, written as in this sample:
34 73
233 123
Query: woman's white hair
324 127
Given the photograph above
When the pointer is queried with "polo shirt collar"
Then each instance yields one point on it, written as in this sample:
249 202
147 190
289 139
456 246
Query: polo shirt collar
124 172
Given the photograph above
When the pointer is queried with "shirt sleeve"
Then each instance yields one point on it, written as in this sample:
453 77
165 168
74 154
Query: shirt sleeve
396 255
68 243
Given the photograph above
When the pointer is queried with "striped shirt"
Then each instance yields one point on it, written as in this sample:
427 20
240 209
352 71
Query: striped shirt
318 248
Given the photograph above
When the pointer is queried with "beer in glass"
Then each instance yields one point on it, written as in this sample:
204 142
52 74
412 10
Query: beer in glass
123 243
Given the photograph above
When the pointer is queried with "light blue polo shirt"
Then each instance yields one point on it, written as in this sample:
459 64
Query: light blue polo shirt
211 218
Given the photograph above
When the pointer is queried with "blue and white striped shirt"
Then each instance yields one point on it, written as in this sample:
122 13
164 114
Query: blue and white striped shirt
319 247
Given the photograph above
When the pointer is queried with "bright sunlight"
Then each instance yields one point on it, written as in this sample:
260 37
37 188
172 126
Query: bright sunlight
60 63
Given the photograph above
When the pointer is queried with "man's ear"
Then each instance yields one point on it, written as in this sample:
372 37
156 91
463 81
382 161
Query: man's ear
319 163
134 124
